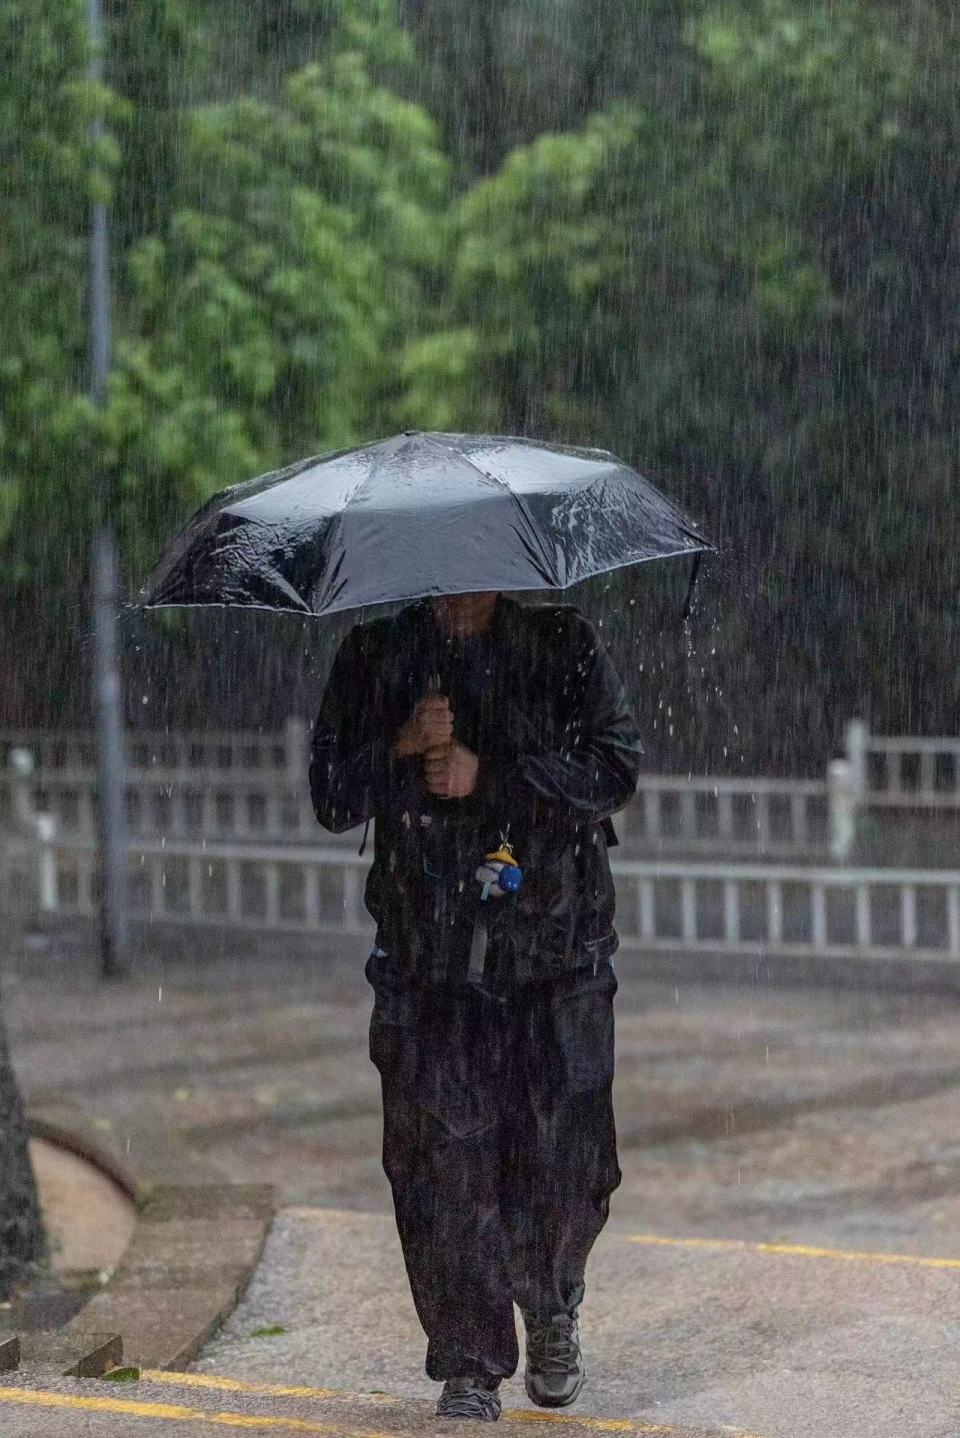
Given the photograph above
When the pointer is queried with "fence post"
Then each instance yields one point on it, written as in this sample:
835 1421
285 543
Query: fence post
843 798
857 740
20 764
34 879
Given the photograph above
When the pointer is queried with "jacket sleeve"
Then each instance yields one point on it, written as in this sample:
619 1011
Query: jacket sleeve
597 772
353 771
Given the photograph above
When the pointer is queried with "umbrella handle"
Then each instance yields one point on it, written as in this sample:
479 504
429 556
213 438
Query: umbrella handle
434 684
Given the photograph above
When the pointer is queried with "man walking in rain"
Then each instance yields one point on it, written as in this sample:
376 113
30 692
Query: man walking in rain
491 741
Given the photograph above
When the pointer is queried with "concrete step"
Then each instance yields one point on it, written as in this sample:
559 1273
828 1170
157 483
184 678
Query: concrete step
71 1355
9 1352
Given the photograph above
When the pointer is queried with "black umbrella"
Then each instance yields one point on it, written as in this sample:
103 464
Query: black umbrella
417 515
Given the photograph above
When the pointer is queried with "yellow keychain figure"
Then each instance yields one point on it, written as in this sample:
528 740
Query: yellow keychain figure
500 874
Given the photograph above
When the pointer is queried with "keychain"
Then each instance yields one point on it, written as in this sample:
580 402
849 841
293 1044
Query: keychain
499 875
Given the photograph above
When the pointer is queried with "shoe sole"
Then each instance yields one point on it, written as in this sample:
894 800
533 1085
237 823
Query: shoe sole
556 1402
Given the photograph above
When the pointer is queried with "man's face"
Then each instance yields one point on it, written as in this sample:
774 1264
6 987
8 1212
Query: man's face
465 613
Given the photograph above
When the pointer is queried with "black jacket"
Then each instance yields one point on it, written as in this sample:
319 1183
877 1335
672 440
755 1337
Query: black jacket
559 753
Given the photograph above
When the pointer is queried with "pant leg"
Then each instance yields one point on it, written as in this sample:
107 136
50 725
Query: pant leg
561 1164
439 1059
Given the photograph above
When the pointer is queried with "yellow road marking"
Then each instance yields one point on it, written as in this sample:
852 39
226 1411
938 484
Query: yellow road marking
175 1412
263 1390
794 1250
216 1383
611 1425
605 1425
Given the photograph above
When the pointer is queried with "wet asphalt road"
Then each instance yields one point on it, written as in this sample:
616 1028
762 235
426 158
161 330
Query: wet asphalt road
783 1257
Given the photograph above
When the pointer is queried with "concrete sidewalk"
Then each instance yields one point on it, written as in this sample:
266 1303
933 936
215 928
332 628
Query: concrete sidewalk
787 1344
782 1257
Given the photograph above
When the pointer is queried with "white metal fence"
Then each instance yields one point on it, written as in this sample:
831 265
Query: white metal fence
888 770
898 772
253 787
223 834
774 817
697 816
727 908
233 752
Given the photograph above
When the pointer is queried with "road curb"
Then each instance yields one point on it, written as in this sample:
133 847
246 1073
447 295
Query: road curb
192 1253
85 1139
191 1256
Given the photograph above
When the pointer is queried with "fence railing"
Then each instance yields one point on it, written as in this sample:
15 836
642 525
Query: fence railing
28 876
894 771
251 788
736 816
740 816
734 908
183 752
766 909
229 844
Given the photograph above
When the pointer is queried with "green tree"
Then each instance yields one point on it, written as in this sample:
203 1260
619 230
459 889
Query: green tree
699 292
267 321
155 59
260 321
500 74
47 175
719 237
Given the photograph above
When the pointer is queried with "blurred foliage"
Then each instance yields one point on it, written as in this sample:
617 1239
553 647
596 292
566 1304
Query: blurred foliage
748 281
719 238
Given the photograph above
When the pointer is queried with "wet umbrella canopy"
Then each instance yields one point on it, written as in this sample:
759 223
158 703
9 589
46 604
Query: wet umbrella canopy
416 515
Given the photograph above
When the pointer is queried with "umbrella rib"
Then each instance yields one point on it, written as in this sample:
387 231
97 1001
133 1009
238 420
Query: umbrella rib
493 478
370 472
534 539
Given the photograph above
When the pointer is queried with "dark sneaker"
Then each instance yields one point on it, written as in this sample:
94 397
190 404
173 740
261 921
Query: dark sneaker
554 1373
469 1398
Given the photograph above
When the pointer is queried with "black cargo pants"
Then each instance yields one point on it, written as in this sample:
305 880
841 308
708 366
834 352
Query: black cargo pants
500 1148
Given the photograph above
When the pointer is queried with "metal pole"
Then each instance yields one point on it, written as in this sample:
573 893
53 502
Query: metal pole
108 693
110 761
99 256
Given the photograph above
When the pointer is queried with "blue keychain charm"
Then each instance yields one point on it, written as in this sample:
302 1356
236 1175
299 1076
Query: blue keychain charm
500 874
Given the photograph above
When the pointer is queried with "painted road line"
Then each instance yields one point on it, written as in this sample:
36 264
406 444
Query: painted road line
793 1250
602 1425
175 1413
218 1384
616 1425
214 1382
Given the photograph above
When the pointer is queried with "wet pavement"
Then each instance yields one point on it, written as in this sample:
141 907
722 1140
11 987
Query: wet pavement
783 1256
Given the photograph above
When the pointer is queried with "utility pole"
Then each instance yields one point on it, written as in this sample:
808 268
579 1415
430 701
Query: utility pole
108 693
